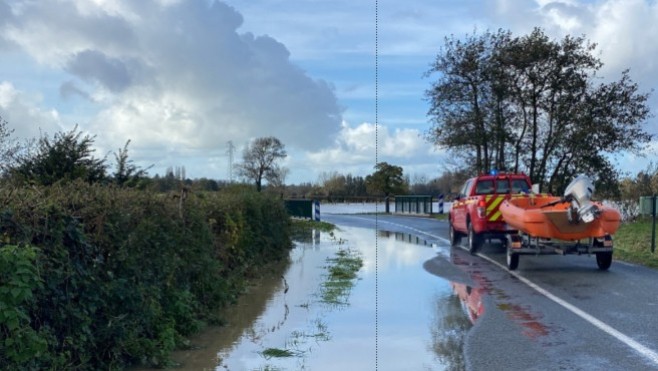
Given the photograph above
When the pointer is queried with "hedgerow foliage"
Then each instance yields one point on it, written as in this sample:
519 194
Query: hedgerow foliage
97 277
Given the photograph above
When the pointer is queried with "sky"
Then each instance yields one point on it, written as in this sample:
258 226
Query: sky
181 79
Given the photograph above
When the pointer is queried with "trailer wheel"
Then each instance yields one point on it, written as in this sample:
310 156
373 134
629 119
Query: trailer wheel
474 240
455 237
512 260
604 260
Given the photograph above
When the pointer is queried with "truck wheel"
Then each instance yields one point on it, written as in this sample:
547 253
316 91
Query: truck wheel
474 240
512 260
455 237
604 260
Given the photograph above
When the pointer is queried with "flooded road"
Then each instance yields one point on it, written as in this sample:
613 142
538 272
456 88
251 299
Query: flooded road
395 311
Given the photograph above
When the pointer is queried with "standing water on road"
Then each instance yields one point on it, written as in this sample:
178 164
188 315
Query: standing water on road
295 321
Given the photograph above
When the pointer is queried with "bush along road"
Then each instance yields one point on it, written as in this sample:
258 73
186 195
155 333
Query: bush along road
97 277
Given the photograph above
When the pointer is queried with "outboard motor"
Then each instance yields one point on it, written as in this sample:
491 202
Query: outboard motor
579 192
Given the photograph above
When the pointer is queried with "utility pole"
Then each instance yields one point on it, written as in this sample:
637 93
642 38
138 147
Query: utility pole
229 151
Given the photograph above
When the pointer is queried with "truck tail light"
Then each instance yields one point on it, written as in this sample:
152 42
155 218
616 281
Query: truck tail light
481 208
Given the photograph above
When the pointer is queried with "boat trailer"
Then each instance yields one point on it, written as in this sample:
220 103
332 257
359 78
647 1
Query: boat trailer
524 244
582 211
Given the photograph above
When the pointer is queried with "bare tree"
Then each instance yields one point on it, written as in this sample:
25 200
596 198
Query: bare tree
277 177
259 161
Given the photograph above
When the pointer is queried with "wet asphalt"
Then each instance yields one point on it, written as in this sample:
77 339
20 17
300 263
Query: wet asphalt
553 313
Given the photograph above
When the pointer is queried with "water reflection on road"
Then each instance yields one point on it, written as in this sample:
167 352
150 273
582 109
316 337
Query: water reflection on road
421 318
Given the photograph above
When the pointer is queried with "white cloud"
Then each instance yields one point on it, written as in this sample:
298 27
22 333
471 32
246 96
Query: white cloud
24 114
625 33
181 78
175 73
355 150
622 29
354 144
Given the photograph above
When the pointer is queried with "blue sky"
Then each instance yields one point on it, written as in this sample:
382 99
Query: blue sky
181 79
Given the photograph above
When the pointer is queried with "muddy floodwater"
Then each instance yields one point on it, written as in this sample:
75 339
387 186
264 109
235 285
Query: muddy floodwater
394 312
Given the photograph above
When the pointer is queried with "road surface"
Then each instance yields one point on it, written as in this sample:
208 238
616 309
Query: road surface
553 313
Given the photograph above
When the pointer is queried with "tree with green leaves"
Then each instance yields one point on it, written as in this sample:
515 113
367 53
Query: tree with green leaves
64 157
387 180
531 104
259 162
127 173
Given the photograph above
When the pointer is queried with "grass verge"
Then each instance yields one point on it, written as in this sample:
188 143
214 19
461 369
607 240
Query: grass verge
633 243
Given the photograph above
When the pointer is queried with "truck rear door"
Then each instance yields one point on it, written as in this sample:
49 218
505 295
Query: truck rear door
493 192
505 186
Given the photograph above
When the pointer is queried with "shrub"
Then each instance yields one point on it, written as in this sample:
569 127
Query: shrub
125 275
19 278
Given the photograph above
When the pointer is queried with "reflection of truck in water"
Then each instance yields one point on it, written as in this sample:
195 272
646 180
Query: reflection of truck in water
470 300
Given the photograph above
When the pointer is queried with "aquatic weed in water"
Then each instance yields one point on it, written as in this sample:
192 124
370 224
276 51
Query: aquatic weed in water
342 271
279 353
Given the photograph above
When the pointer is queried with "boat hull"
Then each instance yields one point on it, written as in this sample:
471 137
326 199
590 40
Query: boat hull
538 218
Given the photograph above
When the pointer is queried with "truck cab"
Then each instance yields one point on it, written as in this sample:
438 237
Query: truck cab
475 213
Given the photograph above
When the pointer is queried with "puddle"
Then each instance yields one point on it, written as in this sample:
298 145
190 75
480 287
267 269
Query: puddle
480 283
394 309
404 237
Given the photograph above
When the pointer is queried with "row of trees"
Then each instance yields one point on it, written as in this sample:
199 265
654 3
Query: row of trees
386 180
69 156
532 104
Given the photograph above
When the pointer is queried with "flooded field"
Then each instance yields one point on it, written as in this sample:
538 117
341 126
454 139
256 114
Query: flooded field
393 311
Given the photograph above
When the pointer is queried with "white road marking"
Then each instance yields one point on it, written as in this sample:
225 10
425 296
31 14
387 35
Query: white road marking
417 231
648 353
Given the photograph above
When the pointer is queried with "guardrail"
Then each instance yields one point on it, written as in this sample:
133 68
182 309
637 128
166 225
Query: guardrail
416 204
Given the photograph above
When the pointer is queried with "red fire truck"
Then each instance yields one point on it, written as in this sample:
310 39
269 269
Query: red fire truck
475 213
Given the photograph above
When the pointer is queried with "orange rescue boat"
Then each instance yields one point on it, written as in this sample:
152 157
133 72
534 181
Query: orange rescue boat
544 221
556 218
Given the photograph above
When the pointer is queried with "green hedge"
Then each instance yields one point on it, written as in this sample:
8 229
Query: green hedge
95 277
